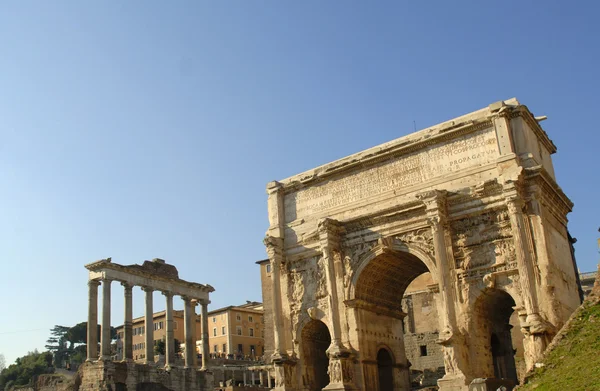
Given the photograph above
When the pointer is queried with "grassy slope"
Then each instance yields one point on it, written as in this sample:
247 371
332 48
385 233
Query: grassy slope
574 364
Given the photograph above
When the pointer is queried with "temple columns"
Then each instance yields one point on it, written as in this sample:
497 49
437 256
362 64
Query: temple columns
127 324
92 324
105 337
188 323
149 325
205 346
169 333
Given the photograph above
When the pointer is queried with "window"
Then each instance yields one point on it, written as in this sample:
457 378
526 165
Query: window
224 347
215 348
262 332
250 318
252 350
238 330
251 332
240 348
423 349
214 319
215 332
238 317
174 325
222 330
268 268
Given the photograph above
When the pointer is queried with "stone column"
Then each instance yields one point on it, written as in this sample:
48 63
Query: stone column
275 252
535 326
105 337
188 323
252 378
169 333
524 260
127 324
149 325
205 345
245 377
452 341
92 324
261 378
330 232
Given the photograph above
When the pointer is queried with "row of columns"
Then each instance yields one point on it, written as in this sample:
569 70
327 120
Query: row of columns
263 376
189 325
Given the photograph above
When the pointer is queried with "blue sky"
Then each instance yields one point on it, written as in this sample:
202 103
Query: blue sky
146 129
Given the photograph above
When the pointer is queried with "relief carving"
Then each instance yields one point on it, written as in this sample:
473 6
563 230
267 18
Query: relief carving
335 371
347 270
320 278
482 240
422 238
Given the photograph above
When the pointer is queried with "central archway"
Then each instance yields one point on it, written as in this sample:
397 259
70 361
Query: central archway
378 301
315 341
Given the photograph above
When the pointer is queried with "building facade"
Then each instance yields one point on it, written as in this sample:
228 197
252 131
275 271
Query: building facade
160 321
237 332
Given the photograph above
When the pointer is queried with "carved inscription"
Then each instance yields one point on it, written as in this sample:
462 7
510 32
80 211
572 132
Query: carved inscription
467 151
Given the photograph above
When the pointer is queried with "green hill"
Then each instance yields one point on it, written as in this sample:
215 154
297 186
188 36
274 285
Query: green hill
572 361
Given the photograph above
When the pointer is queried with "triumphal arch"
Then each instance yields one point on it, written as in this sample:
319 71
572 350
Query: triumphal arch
472 201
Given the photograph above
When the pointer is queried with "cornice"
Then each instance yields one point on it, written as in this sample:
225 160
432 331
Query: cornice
523 112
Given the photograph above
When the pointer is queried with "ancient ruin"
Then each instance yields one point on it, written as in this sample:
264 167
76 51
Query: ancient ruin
101 373
472 201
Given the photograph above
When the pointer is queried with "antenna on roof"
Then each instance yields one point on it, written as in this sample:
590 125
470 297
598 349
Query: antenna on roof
415 125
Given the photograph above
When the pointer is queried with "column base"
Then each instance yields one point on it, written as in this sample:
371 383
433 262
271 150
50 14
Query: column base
453 383
285 379
341 373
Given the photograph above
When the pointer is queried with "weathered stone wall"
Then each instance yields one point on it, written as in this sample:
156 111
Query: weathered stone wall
473 201
111 376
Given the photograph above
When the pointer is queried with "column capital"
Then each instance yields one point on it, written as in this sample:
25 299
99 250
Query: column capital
147 289
128 286
329 226
203 301
435 202
167 293
274 246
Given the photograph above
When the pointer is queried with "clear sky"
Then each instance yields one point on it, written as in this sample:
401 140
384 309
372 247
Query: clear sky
142 129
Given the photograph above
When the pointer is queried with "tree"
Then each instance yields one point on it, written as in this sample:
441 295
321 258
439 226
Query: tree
161 346
57 344
26 369
63 341
2 362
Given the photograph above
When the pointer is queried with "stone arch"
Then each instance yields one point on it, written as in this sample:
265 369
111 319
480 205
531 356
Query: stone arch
315 338
492 333
390 245
375 296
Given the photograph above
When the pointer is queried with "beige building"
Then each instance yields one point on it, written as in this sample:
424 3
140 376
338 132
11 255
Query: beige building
237 332
139 331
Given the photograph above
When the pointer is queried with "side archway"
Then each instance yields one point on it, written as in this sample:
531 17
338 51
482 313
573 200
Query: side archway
492 331
315 339
385 369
